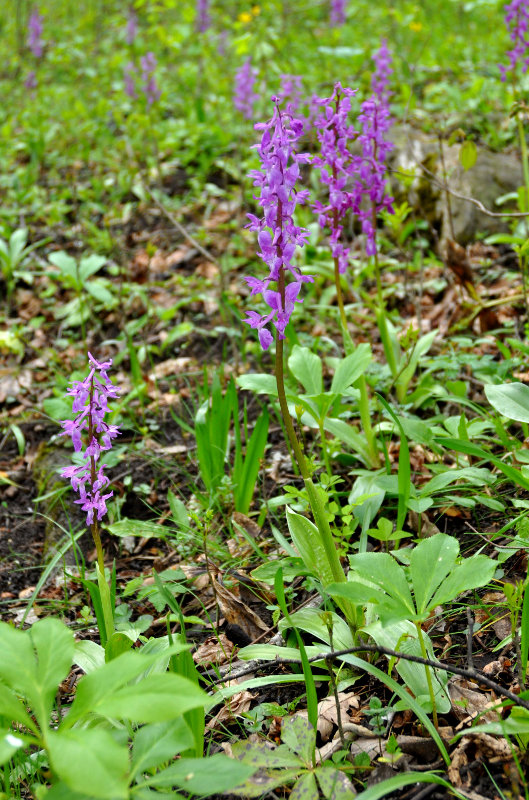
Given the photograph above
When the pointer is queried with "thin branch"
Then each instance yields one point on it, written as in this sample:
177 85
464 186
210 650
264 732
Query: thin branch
178 225
430 176
471 674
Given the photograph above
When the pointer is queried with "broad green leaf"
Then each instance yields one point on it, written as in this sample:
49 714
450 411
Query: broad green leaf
66 264
468 154
366 486
213 775
474 475
246 479
382 570
348 435
118 643
17 243
11 741
154 744
90 759
90 265
516 724
137 527
391 785
34 662
94 689
99 291
335 785
305 788
510 400
360 593
475 571
260 755
299 735
260 383
471 449
178 511
310 620
307 368
351 368
430 562
269 652
12 710
156 698
88 655
308 543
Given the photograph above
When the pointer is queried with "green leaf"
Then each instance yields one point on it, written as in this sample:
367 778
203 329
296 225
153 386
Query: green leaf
468 154
99 291
391 785
260 755
88 655
334 784
260 383
430 562
154 744
510 400
247 477
307 541
67 266
118 643
471 573
137 527
11 741
93 690
300 736
90 760
156 698
382 570
307 368
468 448
12 710
178 511
203 776
351 368
305 788
34 662
90 265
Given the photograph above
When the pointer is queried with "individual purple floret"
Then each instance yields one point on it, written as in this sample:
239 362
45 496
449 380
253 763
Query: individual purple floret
203 18
371 172
517 22
90 404
291 92
34 40
130 82
31 80
381 75
337 10
336 163
131 28
150 87
244 96
278 236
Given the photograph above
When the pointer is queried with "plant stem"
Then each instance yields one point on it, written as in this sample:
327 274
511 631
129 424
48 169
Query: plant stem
428 674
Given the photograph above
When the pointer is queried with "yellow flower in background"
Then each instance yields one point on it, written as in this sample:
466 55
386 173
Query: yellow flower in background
416 26
256 10
244 17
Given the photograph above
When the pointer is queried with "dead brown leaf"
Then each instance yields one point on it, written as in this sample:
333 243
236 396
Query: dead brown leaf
238 613
214 650
468 701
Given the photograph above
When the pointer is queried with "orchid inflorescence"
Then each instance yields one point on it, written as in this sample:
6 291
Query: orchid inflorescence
278 236
517 22
90 404
244 96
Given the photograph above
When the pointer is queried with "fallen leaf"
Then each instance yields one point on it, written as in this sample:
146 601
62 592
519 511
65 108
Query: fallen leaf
214 650
468 702
238 613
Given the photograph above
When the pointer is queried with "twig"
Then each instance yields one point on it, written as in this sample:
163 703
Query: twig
470 632
471 674
178 225
429 175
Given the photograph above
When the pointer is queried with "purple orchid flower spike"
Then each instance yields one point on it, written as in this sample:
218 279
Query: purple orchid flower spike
244 97
338 12
203 19
517 22
35 28
90 405
278 235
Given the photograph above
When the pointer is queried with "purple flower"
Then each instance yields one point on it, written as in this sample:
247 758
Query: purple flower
278 236
130 83
369 189
31 80
150 87
34 40
383 70
517 22
131 28
244 96
337 10
90 405
291 91
336 164
203 20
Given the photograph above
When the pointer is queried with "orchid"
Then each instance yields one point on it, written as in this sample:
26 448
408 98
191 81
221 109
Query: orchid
278 235
244 96
90 404
517 22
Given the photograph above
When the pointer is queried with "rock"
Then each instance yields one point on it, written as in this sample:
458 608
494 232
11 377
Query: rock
493 175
